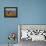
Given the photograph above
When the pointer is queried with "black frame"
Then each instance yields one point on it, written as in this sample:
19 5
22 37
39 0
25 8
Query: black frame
10 7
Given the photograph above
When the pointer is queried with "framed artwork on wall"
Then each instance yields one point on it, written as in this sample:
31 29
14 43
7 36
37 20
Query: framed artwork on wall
10 11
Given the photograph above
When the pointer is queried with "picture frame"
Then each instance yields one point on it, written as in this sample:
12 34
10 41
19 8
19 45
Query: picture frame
10 12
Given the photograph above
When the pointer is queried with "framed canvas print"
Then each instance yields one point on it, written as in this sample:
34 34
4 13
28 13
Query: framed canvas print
10 11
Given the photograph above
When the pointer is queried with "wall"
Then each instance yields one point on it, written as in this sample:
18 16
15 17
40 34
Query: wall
29 12
34 12
7 25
